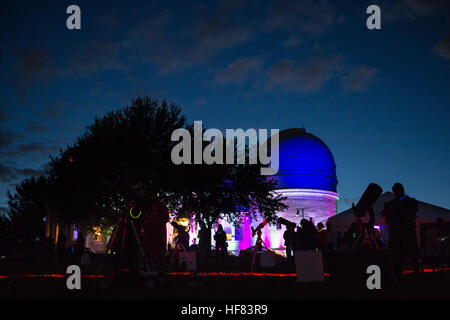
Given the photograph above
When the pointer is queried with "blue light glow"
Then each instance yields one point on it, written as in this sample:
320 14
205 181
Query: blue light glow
305 162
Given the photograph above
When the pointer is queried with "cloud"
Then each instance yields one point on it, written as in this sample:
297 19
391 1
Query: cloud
292 42
100 55
7 138
6 173
312 17
213 31
34 64
238 71
34 126
208 30
308 78
211 35
29 148
32 61
29 172
10 174
427 7
54 109
358 79
315 73
10 148
413 9
443 48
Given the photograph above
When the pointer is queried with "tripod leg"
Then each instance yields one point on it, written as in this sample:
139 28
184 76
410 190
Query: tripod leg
186 255
172 258
253 258
372 242
141 250
254 254
108 247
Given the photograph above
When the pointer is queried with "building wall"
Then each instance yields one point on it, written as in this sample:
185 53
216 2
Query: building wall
317 205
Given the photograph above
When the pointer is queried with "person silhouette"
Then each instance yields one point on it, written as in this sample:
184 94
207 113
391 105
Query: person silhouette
221 243
400 216
289 242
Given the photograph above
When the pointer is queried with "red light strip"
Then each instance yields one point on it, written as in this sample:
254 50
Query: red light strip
48 276
255 274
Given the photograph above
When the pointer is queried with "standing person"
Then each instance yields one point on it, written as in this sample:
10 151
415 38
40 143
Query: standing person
321 237
204 244
194 245
400 216
331 237
79 246
61 246
351 235
322 244
155 233
307 235
221 243
289 239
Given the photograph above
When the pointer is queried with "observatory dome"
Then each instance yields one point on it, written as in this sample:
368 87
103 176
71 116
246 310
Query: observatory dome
305 162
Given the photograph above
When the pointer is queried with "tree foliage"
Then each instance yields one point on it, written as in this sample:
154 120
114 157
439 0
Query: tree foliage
134 145
28 208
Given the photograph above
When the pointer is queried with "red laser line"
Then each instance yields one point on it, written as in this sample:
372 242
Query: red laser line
256 274
48 276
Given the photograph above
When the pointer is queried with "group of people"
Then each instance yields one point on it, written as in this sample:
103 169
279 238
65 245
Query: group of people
203 247
306 237
399 214
400 217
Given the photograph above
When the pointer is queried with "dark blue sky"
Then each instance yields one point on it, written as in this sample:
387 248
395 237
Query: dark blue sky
379 98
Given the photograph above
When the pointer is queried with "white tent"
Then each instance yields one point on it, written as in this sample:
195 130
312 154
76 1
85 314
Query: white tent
426 213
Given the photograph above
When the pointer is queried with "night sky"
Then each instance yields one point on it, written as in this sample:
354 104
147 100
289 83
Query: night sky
378 98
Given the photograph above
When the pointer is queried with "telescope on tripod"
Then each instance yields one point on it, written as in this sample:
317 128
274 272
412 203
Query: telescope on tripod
178 227
258 229
259 242
286 222
181 245
364 208
126 240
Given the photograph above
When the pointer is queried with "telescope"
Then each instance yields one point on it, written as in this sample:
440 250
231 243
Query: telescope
178 227
286 222
370 195
260 226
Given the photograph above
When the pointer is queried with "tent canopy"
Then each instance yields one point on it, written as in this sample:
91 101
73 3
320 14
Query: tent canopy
427 213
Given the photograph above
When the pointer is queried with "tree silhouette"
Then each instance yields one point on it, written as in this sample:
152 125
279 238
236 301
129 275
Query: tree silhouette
128 152
27 209
133 143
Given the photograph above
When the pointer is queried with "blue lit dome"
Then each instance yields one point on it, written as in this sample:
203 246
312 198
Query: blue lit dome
305 162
